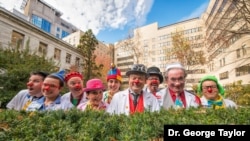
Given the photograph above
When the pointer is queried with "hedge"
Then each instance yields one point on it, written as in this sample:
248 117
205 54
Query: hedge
100 126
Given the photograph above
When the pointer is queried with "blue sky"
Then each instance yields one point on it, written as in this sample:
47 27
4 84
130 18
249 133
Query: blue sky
164 12
111 20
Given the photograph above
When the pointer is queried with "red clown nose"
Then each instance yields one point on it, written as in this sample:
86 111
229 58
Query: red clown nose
46 88
209 90
29 84
136 82
77 86
154 81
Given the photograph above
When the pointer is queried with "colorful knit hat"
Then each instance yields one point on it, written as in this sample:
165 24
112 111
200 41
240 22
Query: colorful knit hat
114 73
212 78
72 74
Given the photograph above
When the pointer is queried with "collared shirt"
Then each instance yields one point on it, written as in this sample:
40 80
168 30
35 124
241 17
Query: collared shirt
182 97
40 106
20 99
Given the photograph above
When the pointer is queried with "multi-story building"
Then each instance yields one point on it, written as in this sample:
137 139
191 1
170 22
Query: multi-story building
49 34
226 58
227 43
17 30
151 46
46 17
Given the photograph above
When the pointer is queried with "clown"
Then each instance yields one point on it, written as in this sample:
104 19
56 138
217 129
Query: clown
114 80
212 93
76 95
33 92
51 100
154 79
174 95
94 92
134 99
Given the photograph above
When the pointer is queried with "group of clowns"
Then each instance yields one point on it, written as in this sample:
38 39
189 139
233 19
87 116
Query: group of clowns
43 91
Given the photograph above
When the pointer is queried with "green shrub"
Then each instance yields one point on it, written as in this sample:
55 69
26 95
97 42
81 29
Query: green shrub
100 126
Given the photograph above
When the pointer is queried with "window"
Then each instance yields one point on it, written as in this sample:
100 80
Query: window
238 53
68 58
57 54
223 75
77 63
244 51
17 39
57 35
41 23
42 49
64 34
243 70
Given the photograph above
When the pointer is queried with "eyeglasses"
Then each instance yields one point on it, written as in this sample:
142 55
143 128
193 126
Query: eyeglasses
139 67
207 87
180 79
50 85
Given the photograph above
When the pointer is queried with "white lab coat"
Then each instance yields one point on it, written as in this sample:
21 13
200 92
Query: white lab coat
120 103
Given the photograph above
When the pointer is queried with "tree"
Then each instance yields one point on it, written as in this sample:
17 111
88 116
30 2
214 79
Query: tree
132 45
183 51
86 47
231 21
16 65
238 93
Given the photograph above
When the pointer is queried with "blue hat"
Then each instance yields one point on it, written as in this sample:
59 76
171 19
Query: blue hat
59 75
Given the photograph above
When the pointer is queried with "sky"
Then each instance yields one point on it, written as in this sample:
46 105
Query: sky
112 20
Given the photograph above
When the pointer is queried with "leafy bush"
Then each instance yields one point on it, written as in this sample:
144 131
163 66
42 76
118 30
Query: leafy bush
100 126
18 64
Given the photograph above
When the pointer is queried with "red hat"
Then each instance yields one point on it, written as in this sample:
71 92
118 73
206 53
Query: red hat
114 73
72 74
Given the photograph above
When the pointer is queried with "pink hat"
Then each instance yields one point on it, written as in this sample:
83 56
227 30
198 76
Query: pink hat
94 84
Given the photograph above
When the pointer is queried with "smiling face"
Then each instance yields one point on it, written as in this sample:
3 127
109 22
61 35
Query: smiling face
34 85
95 97
75 85
51 88
113 85
210 90
153 82
136 82
175 80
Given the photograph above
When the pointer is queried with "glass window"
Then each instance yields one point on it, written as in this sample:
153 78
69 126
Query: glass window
42 50
68 58
77 61
57 54
41 23
17 39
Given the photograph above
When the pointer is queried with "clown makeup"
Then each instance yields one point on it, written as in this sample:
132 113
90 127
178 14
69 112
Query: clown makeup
210 90
95 97
136 82
75 85
34 85
113 85
153 83
51 88
176 80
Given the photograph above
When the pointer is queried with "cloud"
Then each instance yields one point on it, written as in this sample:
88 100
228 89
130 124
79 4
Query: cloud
97 14
197 12
103 14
